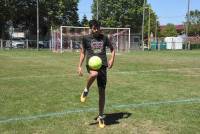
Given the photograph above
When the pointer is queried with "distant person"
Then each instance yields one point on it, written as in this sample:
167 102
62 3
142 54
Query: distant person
95 44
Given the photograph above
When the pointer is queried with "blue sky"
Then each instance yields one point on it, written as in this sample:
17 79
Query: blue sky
168 11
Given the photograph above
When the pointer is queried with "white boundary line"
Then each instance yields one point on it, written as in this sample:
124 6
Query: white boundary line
34 76
116 72
159 70
121 106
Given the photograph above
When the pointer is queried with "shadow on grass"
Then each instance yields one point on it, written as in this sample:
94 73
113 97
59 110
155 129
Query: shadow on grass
113 118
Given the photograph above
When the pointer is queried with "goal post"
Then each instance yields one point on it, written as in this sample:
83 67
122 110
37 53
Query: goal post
71 38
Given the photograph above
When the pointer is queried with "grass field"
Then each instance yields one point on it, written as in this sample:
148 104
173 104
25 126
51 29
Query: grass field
147 93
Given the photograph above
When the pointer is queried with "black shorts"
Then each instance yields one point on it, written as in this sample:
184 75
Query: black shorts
101 78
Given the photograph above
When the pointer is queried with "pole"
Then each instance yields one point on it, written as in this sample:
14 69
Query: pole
149 25
97 9
51 41
1 40
129 39
38 31
117 40
188 22
12 31
188 18
143 25
61 40
156 29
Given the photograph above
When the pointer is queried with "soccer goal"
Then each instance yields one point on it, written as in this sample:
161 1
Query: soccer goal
69 38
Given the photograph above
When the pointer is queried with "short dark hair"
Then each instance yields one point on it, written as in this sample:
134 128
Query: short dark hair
94 23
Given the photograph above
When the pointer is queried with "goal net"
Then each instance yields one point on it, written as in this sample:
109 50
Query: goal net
69 38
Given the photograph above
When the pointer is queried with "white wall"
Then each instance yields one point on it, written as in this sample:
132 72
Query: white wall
174 42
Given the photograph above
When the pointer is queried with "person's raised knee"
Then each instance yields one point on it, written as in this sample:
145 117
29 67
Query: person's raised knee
93 73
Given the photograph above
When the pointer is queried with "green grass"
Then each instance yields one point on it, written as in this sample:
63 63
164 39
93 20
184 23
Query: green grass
147 93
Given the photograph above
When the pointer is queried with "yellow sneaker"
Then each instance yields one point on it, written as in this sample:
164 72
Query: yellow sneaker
101 122
83 96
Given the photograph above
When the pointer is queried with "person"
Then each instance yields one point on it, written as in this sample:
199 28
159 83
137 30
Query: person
95 44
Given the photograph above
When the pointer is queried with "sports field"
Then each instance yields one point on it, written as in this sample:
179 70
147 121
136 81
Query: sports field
147 93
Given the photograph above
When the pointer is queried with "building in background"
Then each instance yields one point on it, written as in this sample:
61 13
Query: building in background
179 28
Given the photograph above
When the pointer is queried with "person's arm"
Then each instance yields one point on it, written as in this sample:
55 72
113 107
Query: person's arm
112 50
112 58
82 57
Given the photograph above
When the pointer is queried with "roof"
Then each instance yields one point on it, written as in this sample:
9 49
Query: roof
178 27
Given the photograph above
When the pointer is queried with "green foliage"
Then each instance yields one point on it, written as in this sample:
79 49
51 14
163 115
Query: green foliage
69 12
194 46
6 9
153 18
195 17
85 22
169 30
121 13
194 25
22 14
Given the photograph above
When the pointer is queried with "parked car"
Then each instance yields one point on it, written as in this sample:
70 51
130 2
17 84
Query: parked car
76 45
43 44
16 43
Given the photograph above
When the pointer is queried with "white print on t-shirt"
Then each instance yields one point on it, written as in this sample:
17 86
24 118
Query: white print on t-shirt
97 46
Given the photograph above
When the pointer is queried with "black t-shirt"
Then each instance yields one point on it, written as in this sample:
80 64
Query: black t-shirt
96 46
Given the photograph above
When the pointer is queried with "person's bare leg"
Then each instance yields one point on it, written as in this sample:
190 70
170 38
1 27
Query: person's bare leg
92 76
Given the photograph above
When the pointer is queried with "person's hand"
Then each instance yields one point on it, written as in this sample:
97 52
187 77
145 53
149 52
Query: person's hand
80 71
110 64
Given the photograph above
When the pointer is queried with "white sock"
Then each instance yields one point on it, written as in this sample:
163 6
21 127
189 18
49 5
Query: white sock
100 116
85 90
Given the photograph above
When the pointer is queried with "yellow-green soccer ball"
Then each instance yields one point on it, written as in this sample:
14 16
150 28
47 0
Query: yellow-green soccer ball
95 63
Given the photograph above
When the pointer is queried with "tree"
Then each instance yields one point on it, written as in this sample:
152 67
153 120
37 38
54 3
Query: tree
85 22
153 21
69 12
169 30
122 13
194 24
6 15
22 14
58 12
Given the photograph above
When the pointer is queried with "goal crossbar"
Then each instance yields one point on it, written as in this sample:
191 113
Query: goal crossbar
118 32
